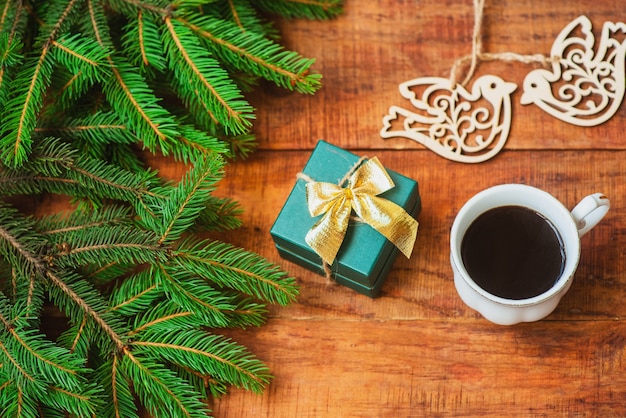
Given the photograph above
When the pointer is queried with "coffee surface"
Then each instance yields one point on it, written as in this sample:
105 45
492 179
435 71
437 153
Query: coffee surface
513 252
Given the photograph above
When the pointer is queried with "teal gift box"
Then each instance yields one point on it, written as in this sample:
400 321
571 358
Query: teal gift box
365 256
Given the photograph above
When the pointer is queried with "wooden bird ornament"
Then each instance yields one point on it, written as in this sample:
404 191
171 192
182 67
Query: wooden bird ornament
455 123
584 87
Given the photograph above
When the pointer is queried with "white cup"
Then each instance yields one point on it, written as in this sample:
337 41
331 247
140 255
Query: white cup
570 225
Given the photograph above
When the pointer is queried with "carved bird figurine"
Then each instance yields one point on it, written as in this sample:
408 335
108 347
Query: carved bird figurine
584 87
456 124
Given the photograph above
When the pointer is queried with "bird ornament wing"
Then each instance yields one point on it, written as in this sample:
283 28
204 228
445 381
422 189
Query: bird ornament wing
584 87
457 124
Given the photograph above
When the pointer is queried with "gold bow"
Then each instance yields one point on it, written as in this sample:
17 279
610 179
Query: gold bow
336 203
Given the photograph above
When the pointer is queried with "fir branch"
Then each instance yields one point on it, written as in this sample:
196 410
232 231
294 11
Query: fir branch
37 364
61 170
107 272
242 145
18 375
12 23
195 144
121 402
19 244
108 181
79 300
76 297
204 79
77 338
83 62
86 403
84 85
57 225
102 127
220 214
136 294
130 96
130 7
246 311
11 53
93 246
241 270
20 183
142 45
208 354
162 392
82 55
16 402
52 365
20 118
182 204
196 296
252 52
203 384
164 318
310 9
242 14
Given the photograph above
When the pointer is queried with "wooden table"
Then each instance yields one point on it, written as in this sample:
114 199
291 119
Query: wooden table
417 350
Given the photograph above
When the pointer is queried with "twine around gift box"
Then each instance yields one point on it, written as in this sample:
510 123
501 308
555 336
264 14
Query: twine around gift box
334 202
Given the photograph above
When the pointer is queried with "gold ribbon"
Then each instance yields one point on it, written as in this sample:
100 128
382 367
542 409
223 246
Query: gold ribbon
360 195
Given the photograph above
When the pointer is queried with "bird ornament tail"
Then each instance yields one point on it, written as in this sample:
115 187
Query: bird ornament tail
455 123
584 87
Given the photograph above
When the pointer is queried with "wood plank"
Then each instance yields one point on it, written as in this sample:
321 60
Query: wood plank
366 52
422 288
399 368
418 350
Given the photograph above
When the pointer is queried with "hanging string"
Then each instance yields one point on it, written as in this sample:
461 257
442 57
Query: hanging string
478 55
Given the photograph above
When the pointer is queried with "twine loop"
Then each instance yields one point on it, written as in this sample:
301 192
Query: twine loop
478 55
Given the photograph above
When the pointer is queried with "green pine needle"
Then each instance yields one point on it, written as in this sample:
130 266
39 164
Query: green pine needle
181 205
107 305
201 81
252 52
120 400
320 9
236 268
161 391
227 360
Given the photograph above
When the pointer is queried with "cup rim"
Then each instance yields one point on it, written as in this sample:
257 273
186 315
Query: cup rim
572 246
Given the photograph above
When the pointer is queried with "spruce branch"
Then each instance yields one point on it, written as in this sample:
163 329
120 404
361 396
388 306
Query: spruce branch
236 268
242 14
252 52
311 9
26 101
204 80
208 354
116 301
182 204
161 391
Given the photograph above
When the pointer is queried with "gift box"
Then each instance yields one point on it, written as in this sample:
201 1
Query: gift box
365 255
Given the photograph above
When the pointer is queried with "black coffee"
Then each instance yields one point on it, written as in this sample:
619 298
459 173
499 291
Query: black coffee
513 252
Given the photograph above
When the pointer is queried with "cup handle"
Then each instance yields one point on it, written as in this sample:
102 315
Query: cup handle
589 211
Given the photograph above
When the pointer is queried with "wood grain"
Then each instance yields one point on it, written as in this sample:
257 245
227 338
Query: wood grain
421 288
413 368
365 53
418 350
